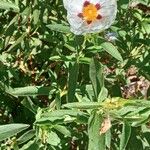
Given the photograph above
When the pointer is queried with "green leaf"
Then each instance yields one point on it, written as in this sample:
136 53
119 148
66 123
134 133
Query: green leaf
63 130
26 136
36 12
31 145
61 113
58 116
96 76
53 138
108 139
131 110
143 120
112 50
84 60
96 141
9 130
83 105
62 58
71 48
18 41
59 28
48 121
9 6
58 100
30 105
126 132
30 91
103 94
72 83
146 27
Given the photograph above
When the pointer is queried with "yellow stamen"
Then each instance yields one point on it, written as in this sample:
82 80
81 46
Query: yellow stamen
90 12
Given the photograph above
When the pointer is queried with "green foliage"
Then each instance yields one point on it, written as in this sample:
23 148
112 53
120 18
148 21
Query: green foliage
96 141
57 89
6 5
10 130
126 131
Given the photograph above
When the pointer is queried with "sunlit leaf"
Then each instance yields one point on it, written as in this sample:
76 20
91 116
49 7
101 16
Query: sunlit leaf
59 28
112 50
10 130
96 141
126 132
26 136
8 6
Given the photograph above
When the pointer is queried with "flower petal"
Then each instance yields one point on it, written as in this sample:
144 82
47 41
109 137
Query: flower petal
106 2
66 2
73 5
75 21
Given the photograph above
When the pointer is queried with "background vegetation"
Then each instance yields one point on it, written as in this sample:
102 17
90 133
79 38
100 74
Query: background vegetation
60 91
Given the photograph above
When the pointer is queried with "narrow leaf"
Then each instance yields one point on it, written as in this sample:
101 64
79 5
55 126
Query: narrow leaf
112 50
143 120
61 113
84 60
30 105
58 116
31 145
103 94
72 83
9 130
26 136
18 41
108 139
30 91
126 132
59 28
83 105
96 76
62 58
96 141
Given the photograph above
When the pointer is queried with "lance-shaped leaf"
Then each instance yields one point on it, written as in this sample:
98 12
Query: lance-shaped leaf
26 136
112 50
58 116
59 28
96 76
27 102
96 141
18 41
72 83
10 130
29 91
126 132
83 105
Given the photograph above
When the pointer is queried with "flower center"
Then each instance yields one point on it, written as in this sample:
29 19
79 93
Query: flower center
90 12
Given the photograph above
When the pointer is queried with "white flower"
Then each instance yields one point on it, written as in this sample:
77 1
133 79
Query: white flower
88 16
